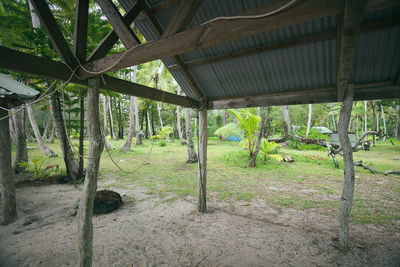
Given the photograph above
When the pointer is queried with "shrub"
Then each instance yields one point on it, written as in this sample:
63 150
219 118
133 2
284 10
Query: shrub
162 143
313 134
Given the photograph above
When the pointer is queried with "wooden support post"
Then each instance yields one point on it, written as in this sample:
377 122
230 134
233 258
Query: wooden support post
348 187
7 188
85 211
202 187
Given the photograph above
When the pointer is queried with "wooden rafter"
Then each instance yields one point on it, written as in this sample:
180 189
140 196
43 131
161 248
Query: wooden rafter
80 30
185 72
21 62
348 33
122 29
220 31
385 90
49 23
182 17
111 38
310 38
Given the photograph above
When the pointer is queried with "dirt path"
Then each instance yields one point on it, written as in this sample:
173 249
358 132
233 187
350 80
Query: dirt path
155 232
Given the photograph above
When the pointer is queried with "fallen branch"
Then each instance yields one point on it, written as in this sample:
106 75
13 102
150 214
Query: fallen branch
392 172
361 164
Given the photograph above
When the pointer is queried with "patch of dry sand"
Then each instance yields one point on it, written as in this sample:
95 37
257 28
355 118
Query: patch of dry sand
153 232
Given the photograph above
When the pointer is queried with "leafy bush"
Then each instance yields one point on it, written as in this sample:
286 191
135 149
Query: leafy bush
313 134
165 132
162 143
35 166
270 150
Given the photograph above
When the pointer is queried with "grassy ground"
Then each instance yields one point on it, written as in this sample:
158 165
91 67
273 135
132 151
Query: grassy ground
311 182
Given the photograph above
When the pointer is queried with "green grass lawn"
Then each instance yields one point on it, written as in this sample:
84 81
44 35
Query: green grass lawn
311 182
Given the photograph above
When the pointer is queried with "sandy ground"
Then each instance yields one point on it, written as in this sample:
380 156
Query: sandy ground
155 232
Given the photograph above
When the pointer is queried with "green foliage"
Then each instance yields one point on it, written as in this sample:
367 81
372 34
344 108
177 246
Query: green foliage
270 150
313 134
162 143
35 166
229 129
165 132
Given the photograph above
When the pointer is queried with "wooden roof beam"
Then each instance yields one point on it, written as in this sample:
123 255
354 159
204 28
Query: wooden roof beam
49 23
182 17
122 29
21 62
80 30
178 22
348 32
111 38
384 90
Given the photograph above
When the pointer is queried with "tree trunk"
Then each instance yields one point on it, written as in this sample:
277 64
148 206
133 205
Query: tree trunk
373 121
348 187
81 134
7 187
85 210
178 120
267 121
71 164
159 114
202 174
22 150
128 142
26 127
12 131
105 127
111 119
286 120
384 123
53 133
253 155
334 127
138 135
46 130
144 118
365 117
120 126
192 157
357 125
149 123
45 150
34 17
309 119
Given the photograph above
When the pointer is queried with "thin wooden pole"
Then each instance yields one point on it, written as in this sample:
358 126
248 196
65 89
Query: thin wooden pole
202 186
348 187
84 216
7 187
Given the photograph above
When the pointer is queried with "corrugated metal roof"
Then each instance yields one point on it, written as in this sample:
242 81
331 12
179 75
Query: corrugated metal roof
9 87
311 65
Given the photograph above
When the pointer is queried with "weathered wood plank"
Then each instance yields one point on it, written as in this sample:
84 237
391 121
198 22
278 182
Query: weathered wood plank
80 30
111 38
21 62
49 23
182 16
308 96
348 33
202 173
123 31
